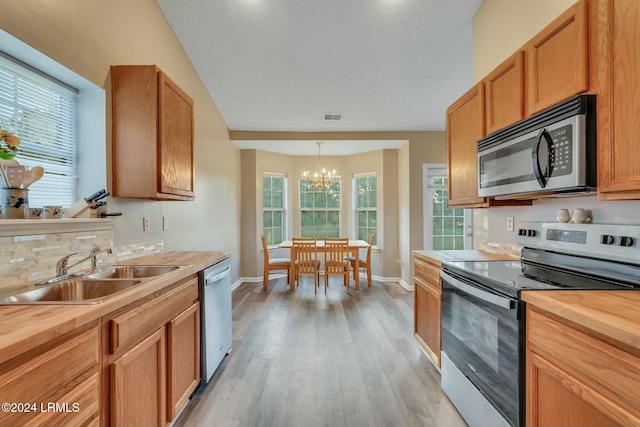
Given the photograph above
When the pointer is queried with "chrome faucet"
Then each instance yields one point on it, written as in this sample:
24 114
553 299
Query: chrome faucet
62 266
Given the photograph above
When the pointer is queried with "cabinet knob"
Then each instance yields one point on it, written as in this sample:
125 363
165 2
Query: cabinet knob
607 239
626 241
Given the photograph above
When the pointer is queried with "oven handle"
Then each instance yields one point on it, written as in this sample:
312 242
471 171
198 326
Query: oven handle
489 297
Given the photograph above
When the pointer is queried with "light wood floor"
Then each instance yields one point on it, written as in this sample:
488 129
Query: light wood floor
335 360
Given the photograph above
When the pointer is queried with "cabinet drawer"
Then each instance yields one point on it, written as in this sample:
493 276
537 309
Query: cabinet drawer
428 274
48 376
151 315
602 366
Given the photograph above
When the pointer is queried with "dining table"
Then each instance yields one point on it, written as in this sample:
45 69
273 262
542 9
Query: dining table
353 248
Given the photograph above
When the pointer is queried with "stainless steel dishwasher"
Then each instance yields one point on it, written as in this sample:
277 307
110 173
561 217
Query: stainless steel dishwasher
215 317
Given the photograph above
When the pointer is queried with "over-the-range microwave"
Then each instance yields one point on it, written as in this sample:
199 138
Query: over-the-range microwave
551 153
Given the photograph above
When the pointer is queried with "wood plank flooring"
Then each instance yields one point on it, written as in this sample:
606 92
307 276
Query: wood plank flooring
322 360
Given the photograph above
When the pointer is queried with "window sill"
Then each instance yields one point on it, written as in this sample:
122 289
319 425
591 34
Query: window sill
25 227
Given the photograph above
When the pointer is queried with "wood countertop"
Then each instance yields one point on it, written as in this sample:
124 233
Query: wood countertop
23 327
438 257
613 315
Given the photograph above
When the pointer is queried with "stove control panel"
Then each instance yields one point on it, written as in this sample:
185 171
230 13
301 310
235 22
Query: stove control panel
606 241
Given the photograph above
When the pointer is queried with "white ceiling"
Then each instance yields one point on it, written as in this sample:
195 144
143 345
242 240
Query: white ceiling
328 148
279 65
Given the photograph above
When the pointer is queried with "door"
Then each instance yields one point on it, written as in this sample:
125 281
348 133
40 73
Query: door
138 384
445 228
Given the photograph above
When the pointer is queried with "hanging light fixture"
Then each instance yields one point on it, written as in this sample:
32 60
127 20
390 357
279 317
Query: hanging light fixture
322 178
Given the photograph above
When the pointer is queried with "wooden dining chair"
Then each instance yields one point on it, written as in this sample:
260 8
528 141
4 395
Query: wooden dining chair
335 263
304 251
364 263
271 264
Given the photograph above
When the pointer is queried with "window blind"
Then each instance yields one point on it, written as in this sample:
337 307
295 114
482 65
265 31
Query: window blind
42 112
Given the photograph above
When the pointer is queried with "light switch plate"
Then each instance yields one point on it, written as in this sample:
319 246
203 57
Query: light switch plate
165 223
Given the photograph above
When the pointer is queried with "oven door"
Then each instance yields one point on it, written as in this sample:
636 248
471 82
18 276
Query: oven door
481 335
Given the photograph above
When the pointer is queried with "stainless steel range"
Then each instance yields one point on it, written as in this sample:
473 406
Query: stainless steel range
483 324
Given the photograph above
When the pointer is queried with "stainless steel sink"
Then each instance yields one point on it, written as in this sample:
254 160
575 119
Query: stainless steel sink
76 291
132 271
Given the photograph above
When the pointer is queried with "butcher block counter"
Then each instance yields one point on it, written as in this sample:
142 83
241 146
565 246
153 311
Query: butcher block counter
24 327
614 315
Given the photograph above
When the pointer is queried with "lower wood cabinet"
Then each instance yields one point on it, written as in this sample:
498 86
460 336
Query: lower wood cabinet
427 312
576 379
138 384
151 357
56 384
184 358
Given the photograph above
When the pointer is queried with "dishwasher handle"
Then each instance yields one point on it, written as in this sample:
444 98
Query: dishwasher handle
217 275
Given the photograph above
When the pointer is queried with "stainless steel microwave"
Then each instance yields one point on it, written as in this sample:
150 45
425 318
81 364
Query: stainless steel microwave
548 154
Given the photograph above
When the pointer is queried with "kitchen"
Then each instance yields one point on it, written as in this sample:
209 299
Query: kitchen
90 44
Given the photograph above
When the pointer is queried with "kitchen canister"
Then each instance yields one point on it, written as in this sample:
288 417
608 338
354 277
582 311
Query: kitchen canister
15 203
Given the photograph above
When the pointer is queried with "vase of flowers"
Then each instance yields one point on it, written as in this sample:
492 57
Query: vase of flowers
9 145
14 200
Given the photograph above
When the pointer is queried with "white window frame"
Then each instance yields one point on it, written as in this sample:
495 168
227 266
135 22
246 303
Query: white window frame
301 180
356 209
284 204
29 92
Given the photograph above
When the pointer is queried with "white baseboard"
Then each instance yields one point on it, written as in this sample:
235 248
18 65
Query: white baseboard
397 280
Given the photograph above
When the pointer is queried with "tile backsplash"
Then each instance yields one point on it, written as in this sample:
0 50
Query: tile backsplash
28 258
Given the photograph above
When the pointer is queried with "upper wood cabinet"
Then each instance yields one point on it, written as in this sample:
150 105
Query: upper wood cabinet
152 120
465 126
557 66
615 67
504 91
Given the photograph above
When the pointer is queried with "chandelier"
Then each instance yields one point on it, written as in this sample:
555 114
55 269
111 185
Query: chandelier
322 178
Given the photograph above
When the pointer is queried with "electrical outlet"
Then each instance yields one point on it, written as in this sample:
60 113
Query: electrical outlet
509 223
165 223
146 223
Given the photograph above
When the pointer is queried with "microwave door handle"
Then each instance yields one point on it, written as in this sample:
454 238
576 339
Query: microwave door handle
485 296
539 148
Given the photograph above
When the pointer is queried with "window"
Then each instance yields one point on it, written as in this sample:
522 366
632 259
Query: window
366 204
42 112
320 210
273 204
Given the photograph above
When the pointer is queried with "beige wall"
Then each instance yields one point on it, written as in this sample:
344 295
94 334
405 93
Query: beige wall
88 37
519 21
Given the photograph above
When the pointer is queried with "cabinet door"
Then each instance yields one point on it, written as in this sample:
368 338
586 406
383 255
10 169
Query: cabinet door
183 375
557 60
427 319
138 384
554 398
175 143
465 126
617 64
504 90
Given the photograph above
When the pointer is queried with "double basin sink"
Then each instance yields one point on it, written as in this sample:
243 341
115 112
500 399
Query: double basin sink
87 289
